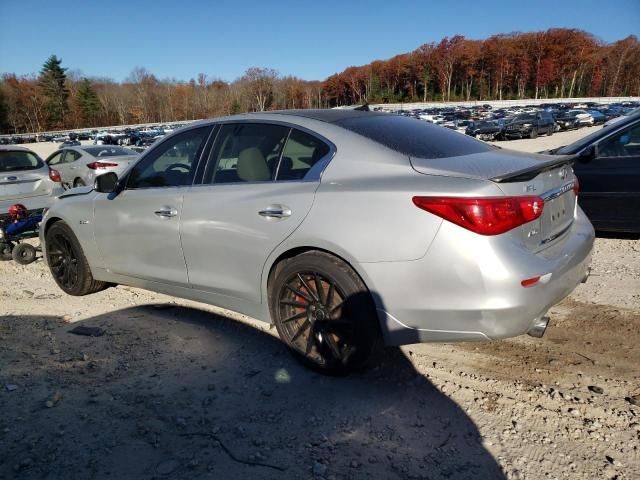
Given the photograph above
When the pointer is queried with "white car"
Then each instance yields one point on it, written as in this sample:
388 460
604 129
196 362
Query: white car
79 165
584 117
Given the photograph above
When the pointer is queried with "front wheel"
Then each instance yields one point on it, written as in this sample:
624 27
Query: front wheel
68 265
79 183
324 313
533 134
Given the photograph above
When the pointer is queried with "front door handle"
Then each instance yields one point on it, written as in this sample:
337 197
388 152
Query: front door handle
166 212
275 211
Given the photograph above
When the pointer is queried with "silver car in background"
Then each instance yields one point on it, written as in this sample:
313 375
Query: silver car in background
26 179
348 230
80 165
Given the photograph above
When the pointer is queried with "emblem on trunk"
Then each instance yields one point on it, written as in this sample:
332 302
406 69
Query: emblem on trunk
563 173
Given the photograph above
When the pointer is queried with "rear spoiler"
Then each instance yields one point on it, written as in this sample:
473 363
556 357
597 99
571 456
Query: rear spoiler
532 172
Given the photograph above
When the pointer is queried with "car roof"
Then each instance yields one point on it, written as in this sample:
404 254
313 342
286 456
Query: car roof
331 115
13 148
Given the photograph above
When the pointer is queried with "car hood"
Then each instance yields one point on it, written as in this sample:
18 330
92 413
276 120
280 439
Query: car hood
493 165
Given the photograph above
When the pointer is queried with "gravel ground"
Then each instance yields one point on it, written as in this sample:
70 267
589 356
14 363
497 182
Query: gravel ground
177 389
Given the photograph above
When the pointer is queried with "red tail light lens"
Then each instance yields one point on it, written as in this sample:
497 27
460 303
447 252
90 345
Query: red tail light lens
486 216
99 165
576 186
54 175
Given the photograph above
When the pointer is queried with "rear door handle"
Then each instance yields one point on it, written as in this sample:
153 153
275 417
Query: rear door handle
275 211
166 212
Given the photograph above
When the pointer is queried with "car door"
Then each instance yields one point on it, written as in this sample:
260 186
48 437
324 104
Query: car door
137 230
258 187
72 167
610 182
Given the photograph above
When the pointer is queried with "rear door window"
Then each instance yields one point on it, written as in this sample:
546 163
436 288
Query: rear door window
301 152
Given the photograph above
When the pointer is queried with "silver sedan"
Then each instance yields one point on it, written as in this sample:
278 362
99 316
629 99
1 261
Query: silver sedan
348 230
80 165
25 179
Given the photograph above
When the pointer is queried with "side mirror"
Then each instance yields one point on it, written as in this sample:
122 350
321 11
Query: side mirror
587 154
106 183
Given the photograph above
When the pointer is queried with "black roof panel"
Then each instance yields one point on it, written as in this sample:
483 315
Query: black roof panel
329 115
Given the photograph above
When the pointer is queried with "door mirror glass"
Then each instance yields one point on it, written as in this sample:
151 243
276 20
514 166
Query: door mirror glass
106 183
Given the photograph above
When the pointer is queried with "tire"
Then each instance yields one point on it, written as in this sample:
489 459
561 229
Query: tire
5 251
67 263
24 254
79 183
550 132
324 313
534 133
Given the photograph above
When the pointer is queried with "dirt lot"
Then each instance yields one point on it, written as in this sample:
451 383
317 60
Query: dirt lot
175 389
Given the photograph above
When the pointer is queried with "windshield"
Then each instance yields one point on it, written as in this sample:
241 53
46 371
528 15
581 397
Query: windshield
106 151
13 160
527 117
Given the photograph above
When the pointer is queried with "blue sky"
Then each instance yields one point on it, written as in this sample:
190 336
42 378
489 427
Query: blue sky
311 39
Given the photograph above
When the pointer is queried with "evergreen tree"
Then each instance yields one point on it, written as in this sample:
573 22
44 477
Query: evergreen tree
52 82
88 102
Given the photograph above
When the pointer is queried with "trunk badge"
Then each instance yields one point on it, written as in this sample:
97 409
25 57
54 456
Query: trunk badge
12 178
530 188
563 173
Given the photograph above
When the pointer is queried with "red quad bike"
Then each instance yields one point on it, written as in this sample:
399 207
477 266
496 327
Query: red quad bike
15 227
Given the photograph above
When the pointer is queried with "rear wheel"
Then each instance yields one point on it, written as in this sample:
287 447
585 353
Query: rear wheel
324 313
5 251
68 265
24 254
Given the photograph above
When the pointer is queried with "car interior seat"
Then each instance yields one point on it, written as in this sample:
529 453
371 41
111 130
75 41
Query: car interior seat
252 166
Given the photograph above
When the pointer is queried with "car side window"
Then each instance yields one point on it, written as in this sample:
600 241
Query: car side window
70 156
55 159
246 152
172 163
301 152
623 144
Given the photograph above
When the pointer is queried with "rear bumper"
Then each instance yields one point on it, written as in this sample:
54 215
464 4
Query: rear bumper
467 287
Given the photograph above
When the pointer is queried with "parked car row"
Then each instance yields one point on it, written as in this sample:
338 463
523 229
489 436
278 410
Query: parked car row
487 123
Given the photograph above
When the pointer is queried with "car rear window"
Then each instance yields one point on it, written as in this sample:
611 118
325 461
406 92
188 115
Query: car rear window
108 151
14 160
414 137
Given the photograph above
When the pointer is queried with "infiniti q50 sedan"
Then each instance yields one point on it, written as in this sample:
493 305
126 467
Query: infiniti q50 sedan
348 230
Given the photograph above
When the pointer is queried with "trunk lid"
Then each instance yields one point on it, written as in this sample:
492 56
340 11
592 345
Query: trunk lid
520 174
24 184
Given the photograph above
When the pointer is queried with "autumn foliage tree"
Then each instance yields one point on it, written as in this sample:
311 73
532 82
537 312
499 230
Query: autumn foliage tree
556 63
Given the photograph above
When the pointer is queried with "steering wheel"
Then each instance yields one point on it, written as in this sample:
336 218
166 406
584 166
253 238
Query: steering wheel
176 166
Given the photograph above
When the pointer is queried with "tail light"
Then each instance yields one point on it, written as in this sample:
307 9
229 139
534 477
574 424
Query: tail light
576 186
99 165
486 216
54 175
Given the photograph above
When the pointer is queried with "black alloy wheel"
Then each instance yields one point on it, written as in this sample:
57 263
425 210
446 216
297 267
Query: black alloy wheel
67 262
325 315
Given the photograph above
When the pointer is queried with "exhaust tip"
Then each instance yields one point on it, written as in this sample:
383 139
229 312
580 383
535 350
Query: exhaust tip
539 327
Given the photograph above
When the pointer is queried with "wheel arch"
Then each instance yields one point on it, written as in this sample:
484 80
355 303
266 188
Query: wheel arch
279 256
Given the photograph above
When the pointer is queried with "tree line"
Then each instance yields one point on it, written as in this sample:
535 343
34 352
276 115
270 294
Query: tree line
556 63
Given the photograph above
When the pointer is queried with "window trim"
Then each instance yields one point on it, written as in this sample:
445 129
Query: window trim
313 175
